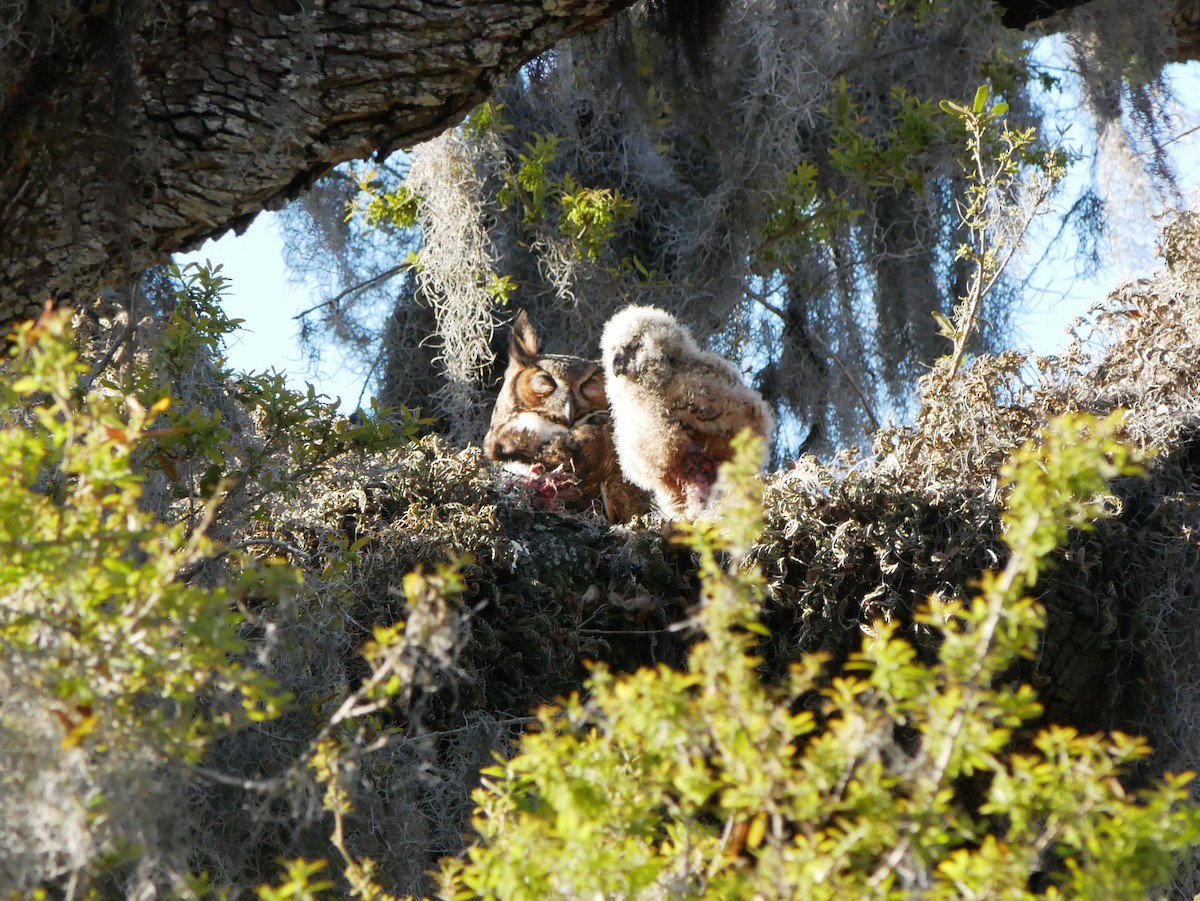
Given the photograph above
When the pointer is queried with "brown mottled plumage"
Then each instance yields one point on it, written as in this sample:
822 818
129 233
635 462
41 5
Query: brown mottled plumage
551 427
675 409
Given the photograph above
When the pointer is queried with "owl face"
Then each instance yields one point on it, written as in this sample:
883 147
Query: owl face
544 399
640 339
562 389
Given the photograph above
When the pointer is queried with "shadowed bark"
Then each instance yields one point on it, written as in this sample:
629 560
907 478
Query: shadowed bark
130 130
1046 17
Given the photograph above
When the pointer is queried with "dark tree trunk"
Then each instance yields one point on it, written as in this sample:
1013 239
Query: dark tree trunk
132 129
1046 17
1023 13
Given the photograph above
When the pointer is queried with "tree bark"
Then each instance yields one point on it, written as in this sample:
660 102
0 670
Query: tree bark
1047 17
1023 13
131 129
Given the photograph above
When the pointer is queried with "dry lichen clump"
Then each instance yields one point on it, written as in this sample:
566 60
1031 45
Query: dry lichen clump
544 591
848 543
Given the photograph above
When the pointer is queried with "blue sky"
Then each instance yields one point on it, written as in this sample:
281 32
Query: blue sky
263 294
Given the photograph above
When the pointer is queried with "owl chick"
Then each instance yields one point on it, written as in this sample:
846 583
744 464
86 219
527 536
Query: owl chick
551 428
675 409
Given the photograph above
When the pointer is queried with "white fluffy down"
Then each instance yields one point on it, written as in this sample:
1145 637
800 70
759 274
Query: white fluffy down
674 408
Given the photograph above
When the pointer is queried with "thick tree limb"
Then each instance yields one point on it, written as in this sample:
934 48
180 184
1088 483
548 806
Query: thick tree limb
1046 17
1023 13
142 129
131 129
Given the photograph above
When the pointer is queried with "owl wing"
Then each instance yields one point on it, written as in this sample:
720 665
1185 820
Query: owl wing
709 405
711 400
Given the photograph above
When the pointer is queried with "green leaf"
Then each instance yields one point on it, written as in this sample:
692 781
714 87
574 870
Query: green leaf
981 97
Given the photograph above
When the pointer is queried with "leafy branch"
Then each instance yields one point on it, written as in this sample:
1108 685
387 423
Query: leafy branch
999 207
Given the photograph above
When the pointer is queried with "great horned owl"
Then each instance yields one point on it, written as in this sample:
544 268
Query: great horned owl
675 408
551 428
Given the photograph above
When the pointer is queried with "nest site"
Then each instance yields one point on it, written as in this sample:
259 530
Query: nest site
843 544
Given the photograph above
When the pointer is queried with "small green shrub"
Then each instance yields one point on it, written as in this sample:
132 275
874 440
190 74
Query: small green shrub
1009 178
245 435
591 216
381 205
892 780
115 672
96 619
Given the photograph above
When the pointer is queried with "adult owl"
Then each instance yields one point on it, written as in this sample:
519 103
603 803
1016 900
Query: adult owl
551 428
675 409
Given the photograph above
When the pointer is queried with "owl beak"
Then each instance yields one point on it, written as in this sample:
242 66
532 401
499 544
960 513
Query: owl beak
570 411
624 358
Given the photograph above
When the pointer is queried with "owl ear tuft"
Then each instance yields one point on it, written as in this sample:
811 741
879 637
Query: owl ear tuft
523 344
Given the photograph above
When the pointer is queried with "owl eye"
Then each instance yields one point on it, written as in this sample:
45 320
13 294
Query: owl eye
542 383
593 390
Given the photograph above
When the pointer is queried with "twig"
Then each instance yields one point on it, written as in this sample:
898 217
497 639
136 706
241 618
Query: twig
85 382
256 785
361 286
624 631
1181 136
270 542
